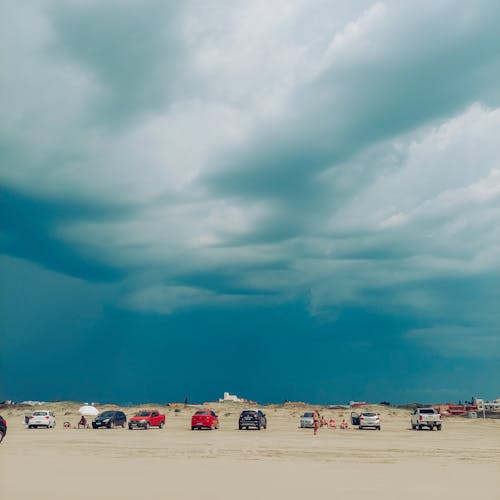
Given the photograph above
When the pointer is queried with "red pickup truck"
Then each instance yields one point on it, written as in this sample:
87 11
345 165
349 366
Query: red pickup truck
146 419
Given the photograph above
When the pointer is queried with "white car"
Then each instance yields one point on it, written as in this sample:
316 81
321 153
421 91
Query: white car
307 420
42 418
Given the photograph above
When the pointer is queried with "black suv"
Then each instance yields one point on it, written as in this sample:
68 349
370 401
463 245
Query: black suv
110 419
3 428
252 418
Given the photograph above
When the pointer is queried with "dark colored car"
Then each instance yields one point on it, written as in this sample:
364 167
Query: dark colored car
3 428
354 418
110 419
252 418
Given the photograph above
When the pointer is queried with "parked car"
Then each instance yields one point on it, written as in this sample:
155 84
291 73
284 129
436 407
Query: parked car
146 419
252 418
354 418
110 419
42 418
426 417
3 428
366 419
204 419
307 420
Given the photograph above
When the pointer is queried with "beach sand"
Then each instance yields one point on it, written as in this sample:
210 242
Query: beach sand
462 461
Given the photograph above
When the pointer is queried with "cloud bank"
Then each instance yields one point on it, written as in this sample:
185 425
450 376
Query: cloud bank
209 154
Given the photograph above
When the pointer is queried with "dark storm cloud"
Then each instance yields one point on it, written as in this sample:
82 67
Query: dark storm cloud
202 174
27 227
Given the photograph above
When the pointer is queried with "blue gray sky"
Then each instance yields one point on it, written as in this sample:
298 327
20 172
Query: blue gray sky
297 199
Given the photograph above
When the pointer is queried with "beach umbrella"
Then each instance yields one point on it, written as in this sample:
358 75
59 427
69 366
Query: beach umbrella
88 411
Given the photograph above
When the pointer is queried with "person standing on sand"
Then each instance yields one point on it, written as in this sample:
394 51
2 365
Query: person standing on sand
316 421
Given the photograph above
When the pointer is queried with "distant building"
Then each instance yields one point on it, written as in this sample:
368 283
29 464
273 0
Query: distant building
487 405
232 398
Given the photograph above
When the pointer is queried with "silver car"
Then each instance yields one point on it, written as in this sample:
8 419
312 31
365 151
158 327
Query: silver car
307 420
369 420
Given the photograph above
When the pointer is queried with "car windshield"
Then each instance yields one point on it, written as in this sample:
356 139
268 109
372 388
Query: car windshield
427 410
143 414
107 414
369 414
40 413
249 412
308 414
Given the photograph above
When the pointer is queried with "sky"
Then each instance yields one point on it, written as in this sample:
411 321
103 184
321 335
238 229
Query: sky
286 200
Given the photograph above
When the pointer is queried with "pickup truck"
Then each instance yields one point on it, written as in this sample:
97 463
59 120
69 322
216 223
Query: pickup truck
426 417
146 419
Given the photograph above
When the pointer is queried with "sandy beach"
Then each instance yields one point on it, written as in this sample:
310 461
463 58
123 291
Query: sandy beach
284 461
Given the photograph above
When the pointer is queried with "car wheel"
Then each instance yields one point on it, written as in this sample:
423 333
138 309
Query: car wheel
438 427
129 427
419 427
146 427
378 428
161 425
1 436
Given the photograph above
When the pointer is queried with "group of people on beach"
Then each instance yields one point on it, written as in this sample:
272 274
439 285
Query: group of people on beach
322 422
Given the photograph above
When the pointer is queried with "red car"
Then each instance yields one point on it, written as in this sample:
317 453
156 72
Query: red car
204 419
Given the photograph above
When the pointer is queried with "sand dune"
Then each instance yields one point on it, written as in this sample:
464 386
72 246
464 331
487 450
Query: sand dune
462 461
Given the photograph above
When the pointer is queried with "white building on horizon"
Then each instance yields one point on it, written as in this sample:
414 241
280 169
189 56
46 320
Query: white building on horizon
231 398
487 405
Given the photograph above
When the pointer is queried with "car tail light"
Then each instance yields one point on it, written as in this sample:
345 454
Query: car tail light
377 418
31 416
46 416
361 418
420 418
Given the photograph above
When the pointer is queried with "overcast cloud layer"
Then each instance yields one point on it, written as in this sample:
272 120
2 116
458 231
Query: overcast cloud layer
342 155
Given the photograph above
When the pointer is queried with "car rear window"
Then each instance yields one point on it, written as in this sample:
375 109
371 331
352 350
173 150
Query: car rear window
249 412
369 414
308 414
40 413
202 413
427 410
108 414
